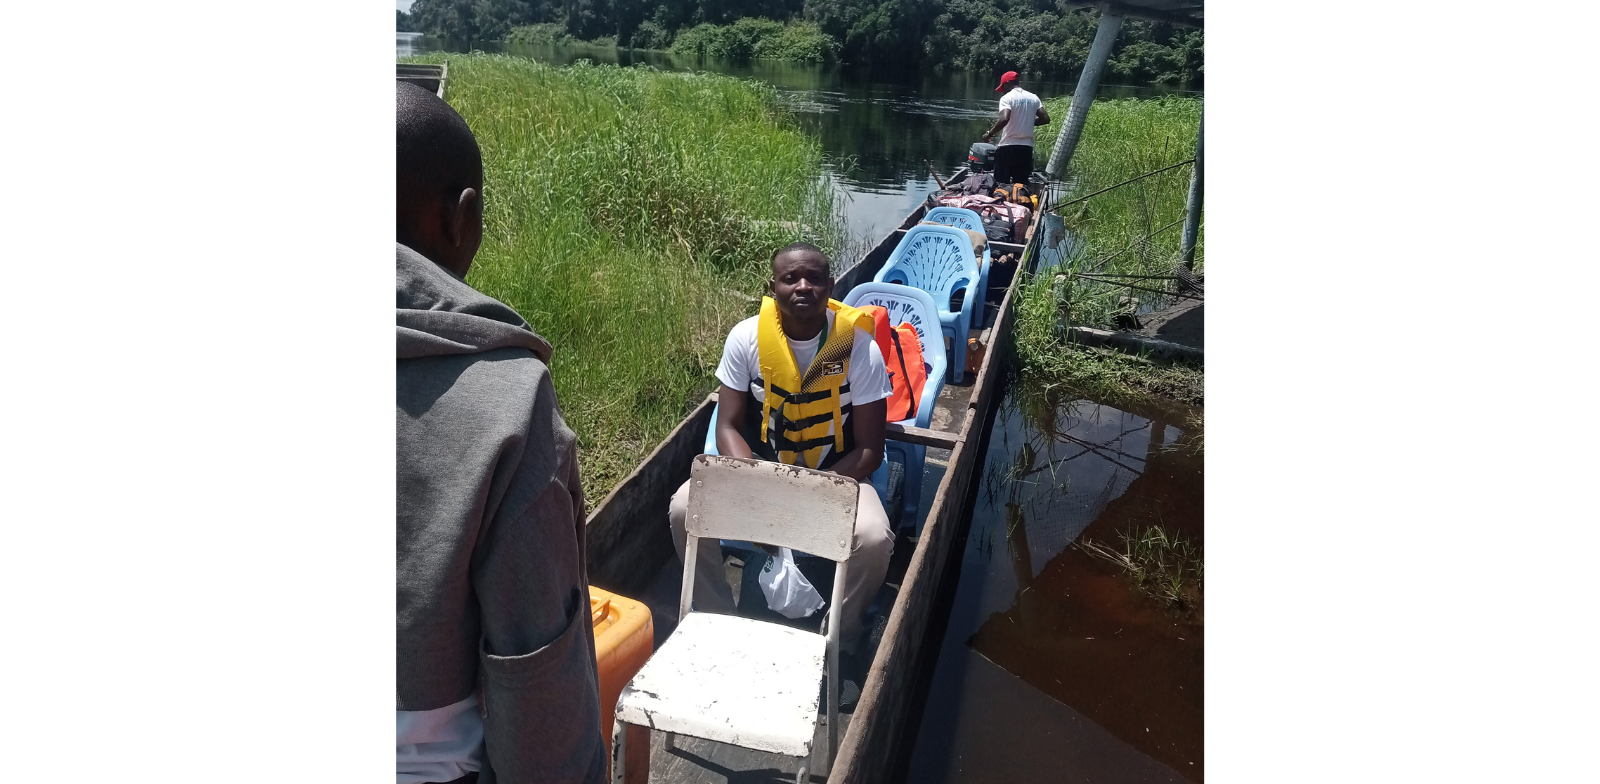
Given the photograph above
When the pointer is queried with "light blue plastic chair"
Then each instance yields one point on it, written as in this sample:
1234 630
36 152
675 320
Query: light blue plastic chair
963 218
939 261
903 304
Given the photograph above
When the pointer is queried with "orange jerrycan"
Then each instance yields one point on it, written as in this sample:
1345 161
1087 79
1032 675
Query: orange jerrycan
624 638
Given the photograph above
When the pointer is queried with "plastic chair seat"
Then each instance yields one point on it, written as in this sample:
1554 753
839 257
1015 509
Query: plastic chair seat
732 680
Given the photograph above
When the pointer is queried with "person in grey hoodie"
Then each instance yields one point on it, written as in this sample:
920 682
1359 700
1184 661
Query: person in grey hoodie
496 675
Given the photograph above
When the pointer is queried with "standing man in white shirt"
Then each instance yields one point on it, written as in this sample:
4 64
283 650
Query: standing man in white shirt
1020 111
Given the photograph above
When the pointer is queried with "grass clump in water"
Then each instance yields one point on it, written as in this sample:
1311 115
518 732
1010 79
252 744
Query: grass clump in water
1100 374
1164 564
1111 234
629 217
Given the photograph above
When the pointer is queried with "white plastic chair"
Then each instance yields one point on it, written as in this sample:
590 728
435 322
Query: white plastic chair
938 260
907 304
700 682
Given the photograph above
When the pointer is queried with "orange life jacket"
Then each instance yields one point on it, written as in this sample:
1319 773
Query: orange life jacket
902 355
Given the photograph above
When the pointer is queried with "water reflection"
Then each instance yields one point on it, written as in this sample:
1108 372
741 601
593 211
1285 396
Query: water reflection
1051 660
877 127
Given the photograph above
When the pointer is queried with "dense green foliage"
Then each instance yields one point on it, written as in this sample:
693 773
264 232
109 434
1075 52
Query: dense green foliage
630 216
546 33
1037 37
761 39
1113 234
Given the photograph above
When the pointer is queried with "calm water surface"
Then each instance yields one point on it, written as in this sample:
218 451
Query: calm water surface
876 127
1053 666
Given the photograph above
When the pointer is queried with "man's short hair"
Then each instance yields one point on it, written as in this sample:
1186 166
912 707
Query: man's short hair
799 246
436 156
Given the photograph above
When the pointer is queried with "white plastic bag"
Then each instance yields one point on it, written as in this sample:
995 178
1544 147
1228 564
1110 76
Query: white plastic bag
787 590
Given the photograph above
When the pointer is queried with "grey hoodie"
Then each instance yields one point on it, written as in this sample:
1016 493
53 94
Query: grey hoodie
492 593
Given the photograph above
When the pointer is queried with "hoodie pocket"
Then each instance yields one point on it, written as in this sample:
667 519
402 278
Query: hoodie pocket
542 709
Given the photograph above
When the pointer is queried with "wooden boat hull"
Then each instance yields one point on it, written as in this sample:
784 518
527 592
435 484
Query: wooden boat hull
628 541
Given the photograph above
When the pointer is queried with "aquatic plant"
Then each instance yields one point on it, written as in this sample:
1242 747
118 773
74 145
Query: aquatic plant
1101 374
1164 564
629 217
1133 230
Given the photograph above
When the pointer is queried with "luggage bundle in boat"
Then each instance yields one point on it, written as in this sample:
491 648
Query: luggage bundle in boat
1004 220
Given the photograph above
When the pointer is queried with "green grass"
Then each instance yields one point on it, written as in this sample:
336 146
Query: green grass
629 213
1122 139
1101 374
1164 564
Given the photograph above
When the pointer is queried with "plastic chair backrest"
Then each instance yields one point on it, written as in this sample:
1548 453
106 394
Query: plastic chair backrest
772 503
903 304
958 217
936 259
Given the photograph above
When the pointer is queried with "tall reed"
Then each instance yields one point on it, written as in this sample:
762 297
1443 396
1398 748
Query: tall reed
630 215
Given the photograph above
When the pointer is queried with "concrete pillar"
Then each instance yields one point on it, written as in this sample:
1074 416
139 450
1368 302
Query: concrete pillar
1088 82
1191 216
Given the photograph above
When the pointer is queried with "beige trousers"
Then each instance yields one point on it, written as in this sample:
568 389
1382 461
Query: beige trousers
869 562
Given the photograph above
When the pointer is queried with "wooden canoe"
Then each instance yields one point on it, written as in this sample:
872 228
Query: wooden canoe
428 77
629 545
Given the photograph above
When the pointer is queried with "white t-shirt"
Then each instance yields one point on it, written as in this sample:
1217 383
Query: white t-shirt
867 377
442 744
1024 108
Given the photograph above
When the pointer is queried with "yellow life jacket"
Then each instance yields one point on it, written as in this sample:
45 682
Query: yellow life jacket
802 417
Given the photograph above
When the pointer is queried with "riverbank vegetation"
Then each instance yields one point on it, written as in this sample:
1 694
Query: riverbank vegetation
1133 230
758 39
1043 38
629 217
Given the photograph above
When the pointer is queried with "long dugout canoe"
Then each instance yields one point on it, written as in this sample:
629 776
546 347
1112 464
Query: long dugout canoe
628 541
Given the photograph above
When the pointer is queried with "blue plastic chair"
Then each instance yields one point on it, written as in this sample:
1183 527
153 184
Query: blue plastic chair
903 304
939 261
963 218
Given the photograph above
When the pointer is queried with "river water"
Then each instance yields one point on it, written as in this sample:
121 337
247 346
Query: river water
877 127
1054 666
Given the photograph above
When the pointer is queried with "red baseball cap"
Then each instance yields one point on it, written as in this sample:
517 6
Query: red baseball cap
1008 76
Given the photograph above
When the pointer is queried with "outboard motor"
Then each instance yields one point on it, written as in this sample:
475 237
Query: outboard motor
981 157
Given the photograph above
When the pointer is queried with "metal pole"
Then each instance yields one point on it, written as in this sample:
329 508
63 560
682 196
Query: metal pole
1088 82
1191 216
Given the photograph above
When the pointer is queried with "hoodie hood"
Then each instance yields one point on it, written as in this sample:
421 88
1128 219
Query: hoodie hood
438 314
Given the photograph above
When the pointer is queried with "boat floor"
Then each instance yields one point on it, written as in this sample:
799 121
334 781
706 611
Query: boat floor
697 761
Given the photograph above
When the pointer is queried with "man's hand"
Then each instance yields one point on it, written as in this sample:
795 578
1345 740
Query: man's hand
1005 115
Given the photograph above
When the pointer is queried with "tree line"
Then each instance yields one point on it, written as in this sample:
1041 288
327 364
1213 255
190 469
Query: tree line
1044 38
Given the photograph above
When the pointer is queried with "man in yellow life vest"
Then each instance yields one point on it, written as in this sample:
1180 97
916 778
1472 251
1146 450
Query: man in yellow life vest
803 383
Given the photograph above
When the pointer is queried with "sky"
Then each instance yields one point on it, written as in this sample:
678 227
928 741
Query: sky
403 5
